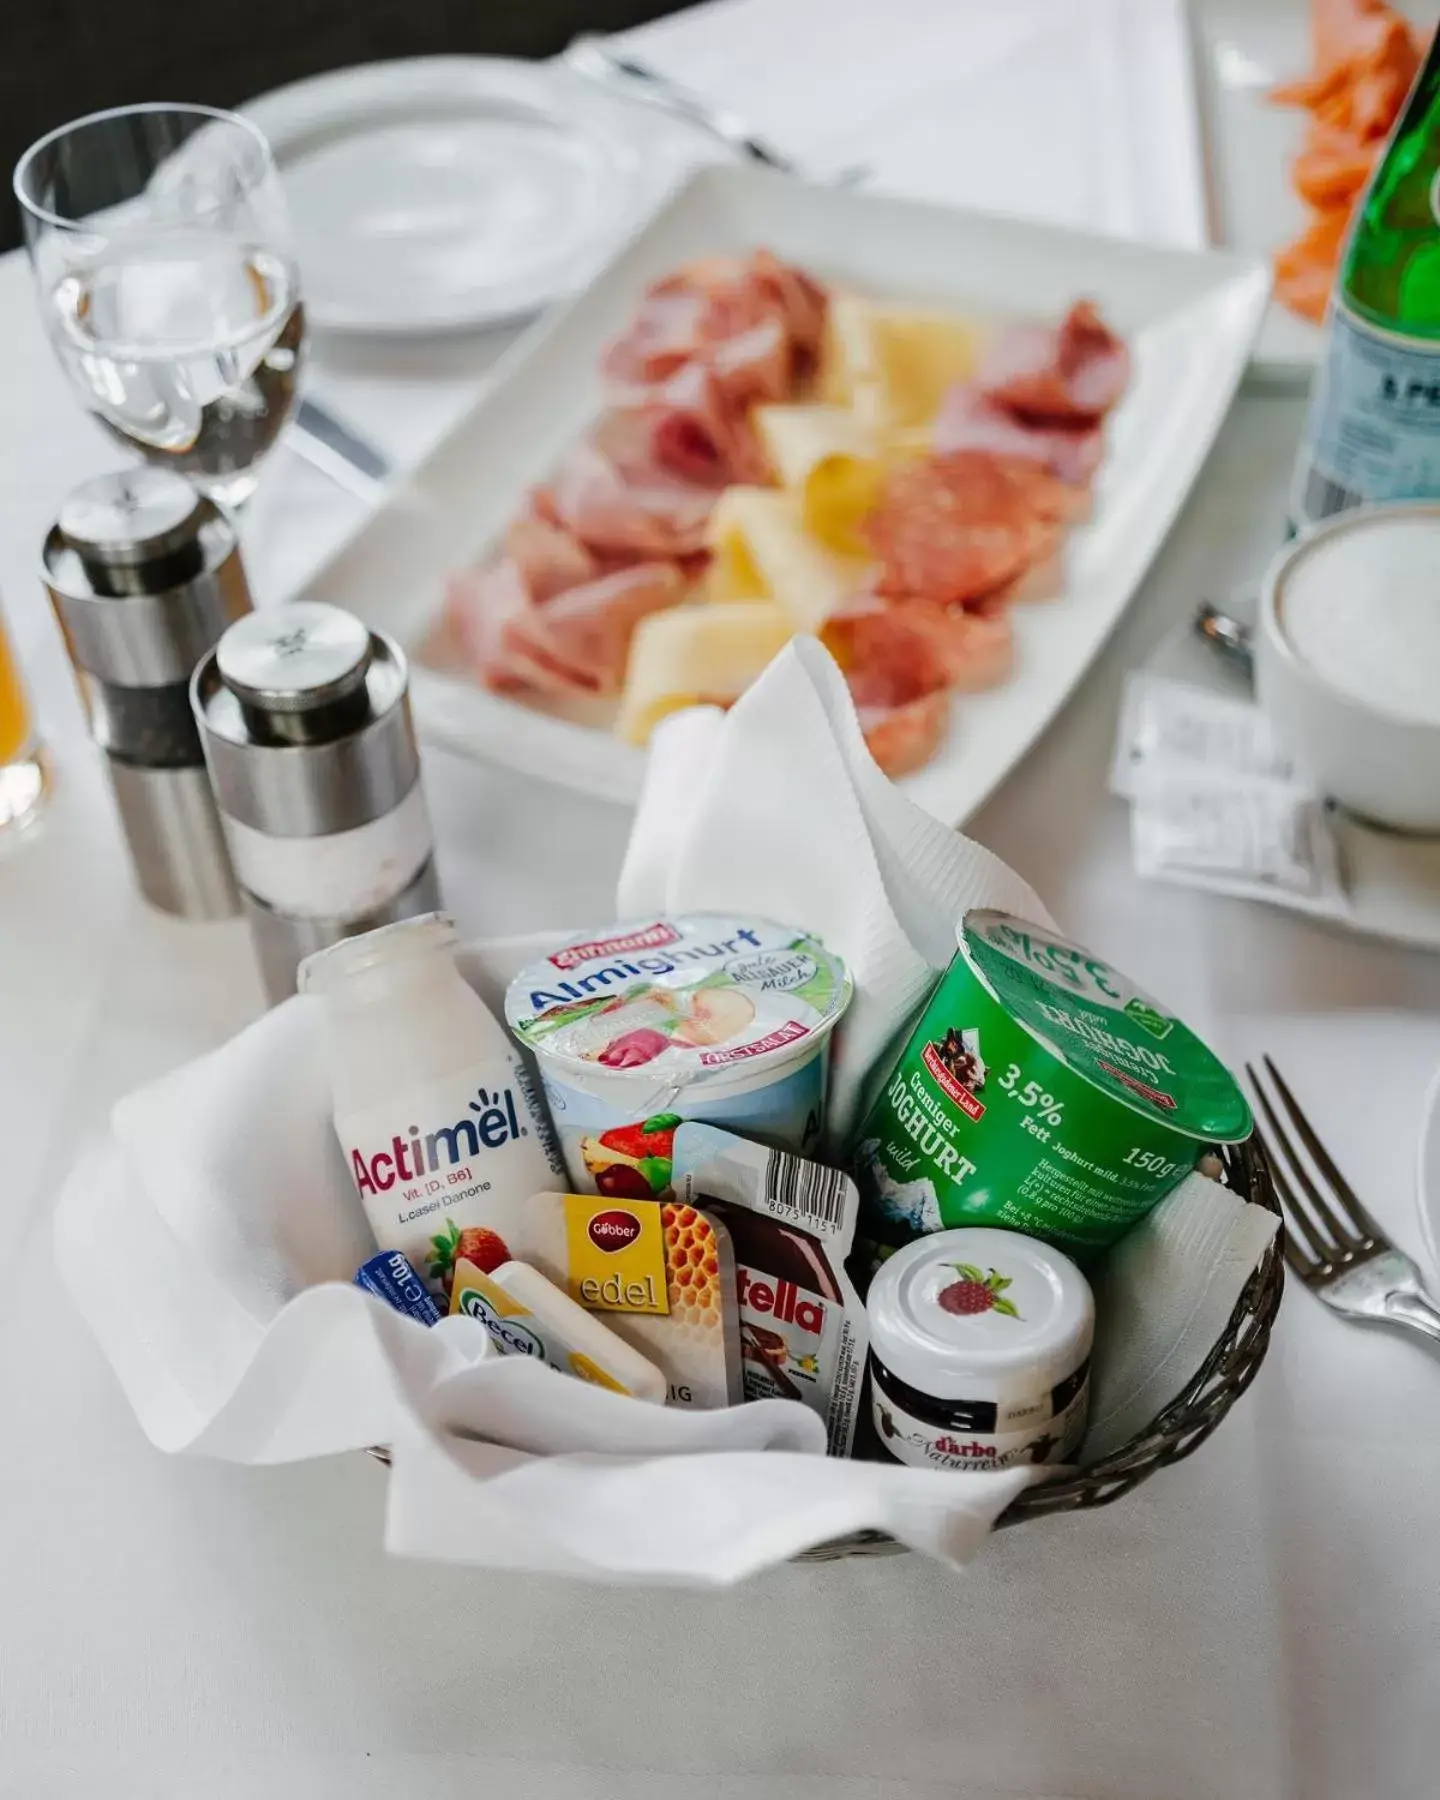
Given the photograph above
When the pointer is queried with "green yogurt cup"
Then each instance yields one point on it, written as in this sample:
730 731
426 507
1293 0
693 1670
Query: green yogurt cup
1043 1091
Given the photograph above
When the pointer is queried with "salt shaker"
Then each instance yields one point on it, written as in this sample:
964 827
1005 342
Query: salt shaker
144 575
304 714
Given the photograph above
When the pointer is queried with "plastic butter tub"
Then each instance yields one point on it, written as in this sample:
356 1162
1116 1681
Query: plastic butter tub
709 1017
1041 1090
526 1315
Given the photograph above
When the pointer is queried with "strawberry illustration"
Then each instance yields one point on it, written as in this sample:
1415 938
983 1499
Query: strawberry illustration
654 1136
483 1247
477 1243
976 1292
633 1162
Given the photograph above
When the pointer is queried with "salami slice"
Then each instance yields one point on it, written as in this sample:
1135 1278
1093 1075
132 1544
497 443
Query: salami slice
893 652
953 528
904 738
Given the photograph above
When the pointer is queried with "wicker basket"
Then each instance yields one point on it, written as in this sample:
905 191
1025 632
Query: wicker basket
1188 1420
1183 1426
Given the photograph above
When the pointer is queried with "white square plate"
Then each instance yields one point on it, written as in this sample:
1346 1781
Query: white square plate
1190 318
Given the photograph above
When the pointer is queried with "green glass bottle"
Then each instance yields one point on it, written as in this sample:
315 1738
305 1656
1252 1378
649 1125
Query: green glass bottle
1373 429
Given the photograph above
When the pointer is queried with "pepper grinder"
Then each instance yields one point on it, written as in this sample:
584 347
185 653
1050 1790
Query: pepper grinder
304 715
144 575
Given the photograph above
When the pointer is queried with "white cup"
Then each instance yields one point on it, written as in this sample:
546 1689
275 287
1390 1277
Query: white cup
1340 663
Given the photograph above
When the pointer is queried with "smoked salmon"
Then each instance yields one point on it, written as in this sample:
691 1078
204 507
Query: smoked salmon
1366 57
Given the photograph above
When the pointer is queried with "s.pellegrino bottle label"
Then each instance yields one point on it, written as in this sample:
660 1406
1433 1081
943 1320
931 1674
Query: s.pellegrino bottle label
1373 428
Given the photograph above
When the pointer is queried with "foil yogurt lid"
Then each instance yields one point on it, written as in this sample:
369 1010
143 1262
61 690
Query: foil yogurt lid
1104 1028
682 999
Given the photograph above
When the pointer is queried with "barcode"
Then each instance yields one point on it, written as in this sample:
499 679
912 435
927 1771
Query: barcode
1324 496
805 1188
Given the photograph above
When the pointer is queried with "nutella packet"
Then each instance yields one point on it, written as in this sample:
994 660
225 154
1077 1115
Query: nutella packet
792 1222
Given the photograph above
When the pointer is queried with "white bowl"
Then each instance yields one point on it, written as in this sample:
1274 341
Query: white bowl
1347 712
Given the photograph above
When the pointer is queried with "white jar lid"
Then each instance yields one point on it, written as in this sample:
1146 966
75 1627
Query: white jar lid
980 1314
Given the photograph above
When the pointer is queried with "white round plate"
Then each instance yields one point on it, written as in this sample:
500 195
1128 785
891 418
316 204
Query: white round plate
1427 1174
440 193
1392 881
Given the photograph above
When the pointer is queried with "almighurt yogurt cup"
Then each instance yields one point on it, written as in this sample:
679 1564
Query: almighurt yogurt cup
1041 1090
707 1016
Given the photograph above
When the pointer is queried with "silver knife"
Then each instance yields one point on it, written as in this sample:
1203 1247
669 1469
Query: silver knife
338 451
592 57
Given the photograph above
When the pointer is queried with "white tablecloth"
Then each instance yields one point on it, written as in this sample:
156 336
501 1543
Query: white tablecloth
1257 1624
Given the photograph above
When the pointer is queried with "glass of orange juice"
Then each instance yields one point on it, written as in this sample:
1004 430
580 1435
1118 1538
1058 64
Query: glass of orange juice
24 776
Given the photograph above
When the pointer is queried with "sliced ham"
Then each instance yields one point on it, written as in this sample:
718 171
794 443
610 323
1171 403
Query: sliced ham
665 333
953 528
573 642
710 302
694 430
706 344
896 651
904 738
802 301
548 558
589 628
613 494
970 420
1073 372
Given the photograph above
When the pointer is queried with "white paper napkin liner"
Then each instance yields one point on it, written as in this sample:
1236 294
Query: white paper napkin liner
777 808
1174 1279
237 1154
705 1525
721 1494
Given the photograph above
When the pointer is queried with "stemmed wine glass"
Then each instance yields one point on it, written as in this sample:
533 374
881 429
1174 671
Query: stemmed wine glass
160 247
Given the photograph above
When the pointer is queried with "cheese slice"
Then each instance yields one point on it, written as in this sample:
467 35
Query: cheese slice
841 490
792 567
891 364
690 654
796 438
732 574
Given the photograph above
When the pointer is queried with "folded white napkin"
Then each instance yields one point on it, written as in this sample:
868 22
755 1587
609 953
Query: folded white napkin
221 1215
776 808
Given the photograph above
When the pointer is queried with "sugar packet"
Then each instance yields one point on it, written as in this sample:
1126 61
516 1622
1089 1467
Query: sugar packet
1216 800
1236 836
1171 725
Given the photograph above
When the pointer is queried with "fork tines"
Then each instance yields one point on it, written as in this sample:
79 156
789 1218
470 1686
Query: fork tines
1336 1229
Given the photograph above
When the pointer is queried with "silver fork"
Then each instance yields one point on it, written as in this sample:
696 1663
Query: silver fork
1351 1265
